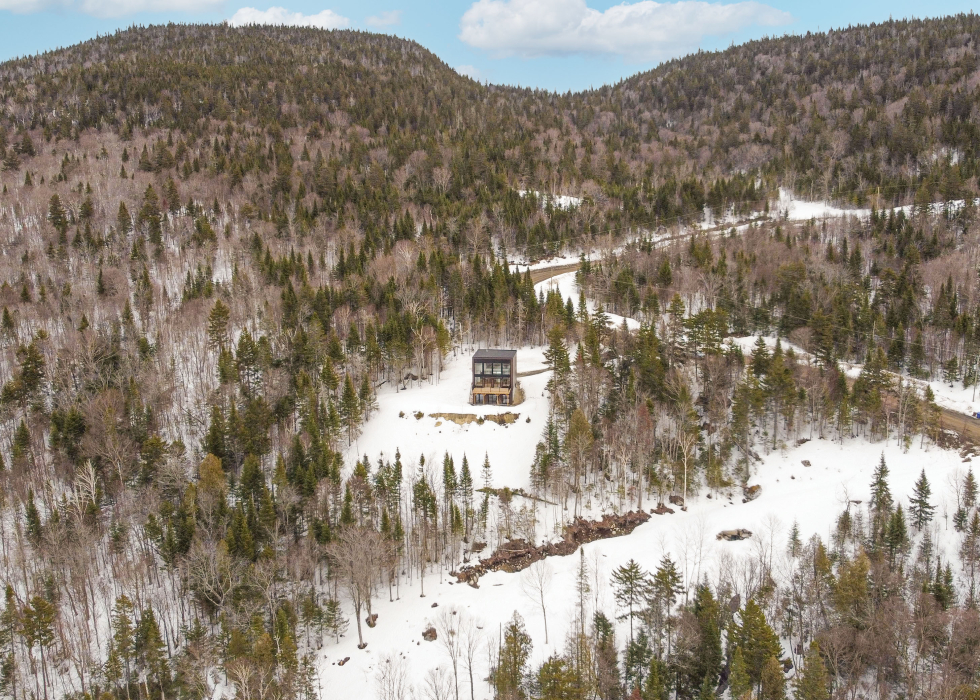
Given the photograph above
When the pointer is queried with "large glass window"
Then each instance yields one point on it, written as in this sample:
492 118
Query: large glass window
477 368
505 368
478 381
505 382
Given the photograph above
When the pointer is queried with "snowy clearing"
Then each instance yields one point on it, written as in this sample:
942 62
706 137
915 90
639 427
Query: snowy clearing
509 447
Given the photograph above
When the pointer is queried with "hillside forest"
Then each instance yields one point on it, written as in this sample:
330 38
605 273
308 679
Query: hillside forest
220 245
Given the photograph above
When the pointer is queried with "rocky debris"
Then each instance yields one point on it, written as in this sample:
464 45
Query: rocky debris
503 418
676 500
372 620
430 634
467 418
517 555
734 535
435 605
949 439
751 493
343 661
661 509
478 546
806 463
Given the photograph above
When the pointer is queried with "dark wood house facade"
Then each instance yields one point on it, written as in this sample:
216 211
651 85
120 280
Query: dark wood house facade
494 377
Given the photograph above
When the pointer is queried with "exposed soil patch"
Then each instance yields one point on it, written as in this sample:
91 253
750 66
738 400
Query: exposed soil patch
517 555
467 418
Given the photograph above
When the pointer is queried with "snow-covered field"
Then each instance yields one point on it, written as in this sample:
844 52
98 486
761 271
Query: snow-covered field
510 448
812 496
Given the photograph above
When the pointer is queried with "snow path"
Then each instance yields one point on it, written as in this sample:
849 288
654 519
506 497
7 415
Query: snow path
568 288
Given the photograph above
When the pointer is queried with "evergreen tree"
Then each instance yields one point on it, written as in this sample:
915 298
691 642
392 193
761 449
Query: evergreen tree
969 490
708 658
656 685
756 639
218 325
921 509
813 681
350 409
57 216
739 682
10 623
772 683
632 587
607 677
507 675
881 501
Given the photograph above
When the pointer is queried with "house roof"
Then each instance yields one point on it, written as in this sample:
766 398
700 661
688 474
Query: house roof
493 354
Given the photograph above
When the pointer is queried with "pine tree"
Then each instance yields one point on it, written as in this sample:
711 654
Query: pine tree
813 682
334 620
756 639
366 396
124 223
739 682
708 658
507 676
607 678
632 586
656 685
32 517
921 509
57 216
897 537
350 409
772 682
795 543
466 493
10 623
554 680
218 325
637 662
969 490
881 501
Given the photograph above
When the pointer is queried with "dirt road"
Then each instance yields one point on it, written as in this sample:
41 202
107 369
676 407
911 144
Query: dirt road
546 273
967 427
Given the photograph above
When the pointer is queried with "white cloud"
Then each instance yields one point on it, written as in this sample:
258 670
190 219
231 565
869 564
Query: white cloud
469 71
641 31
280 16
385 19
111 8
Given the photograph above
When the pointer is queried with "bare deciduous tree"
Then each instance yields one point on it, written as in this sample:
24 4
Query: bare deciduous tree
359 555
535 582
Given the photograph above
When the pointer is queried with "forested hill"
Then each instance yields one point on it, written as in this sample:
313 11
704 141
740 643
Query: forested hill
223 250
887 109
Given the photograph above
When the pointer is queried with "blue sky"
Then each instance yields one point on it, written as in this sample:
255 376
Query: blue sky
552 44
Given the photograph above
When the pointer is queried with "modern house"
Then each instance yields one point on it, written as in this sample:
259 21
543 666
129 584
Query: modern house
494 377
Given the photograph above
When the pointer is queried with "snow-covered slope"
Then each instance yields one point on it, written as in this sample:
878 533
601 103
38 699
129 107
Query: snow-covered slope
509 447
838 477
